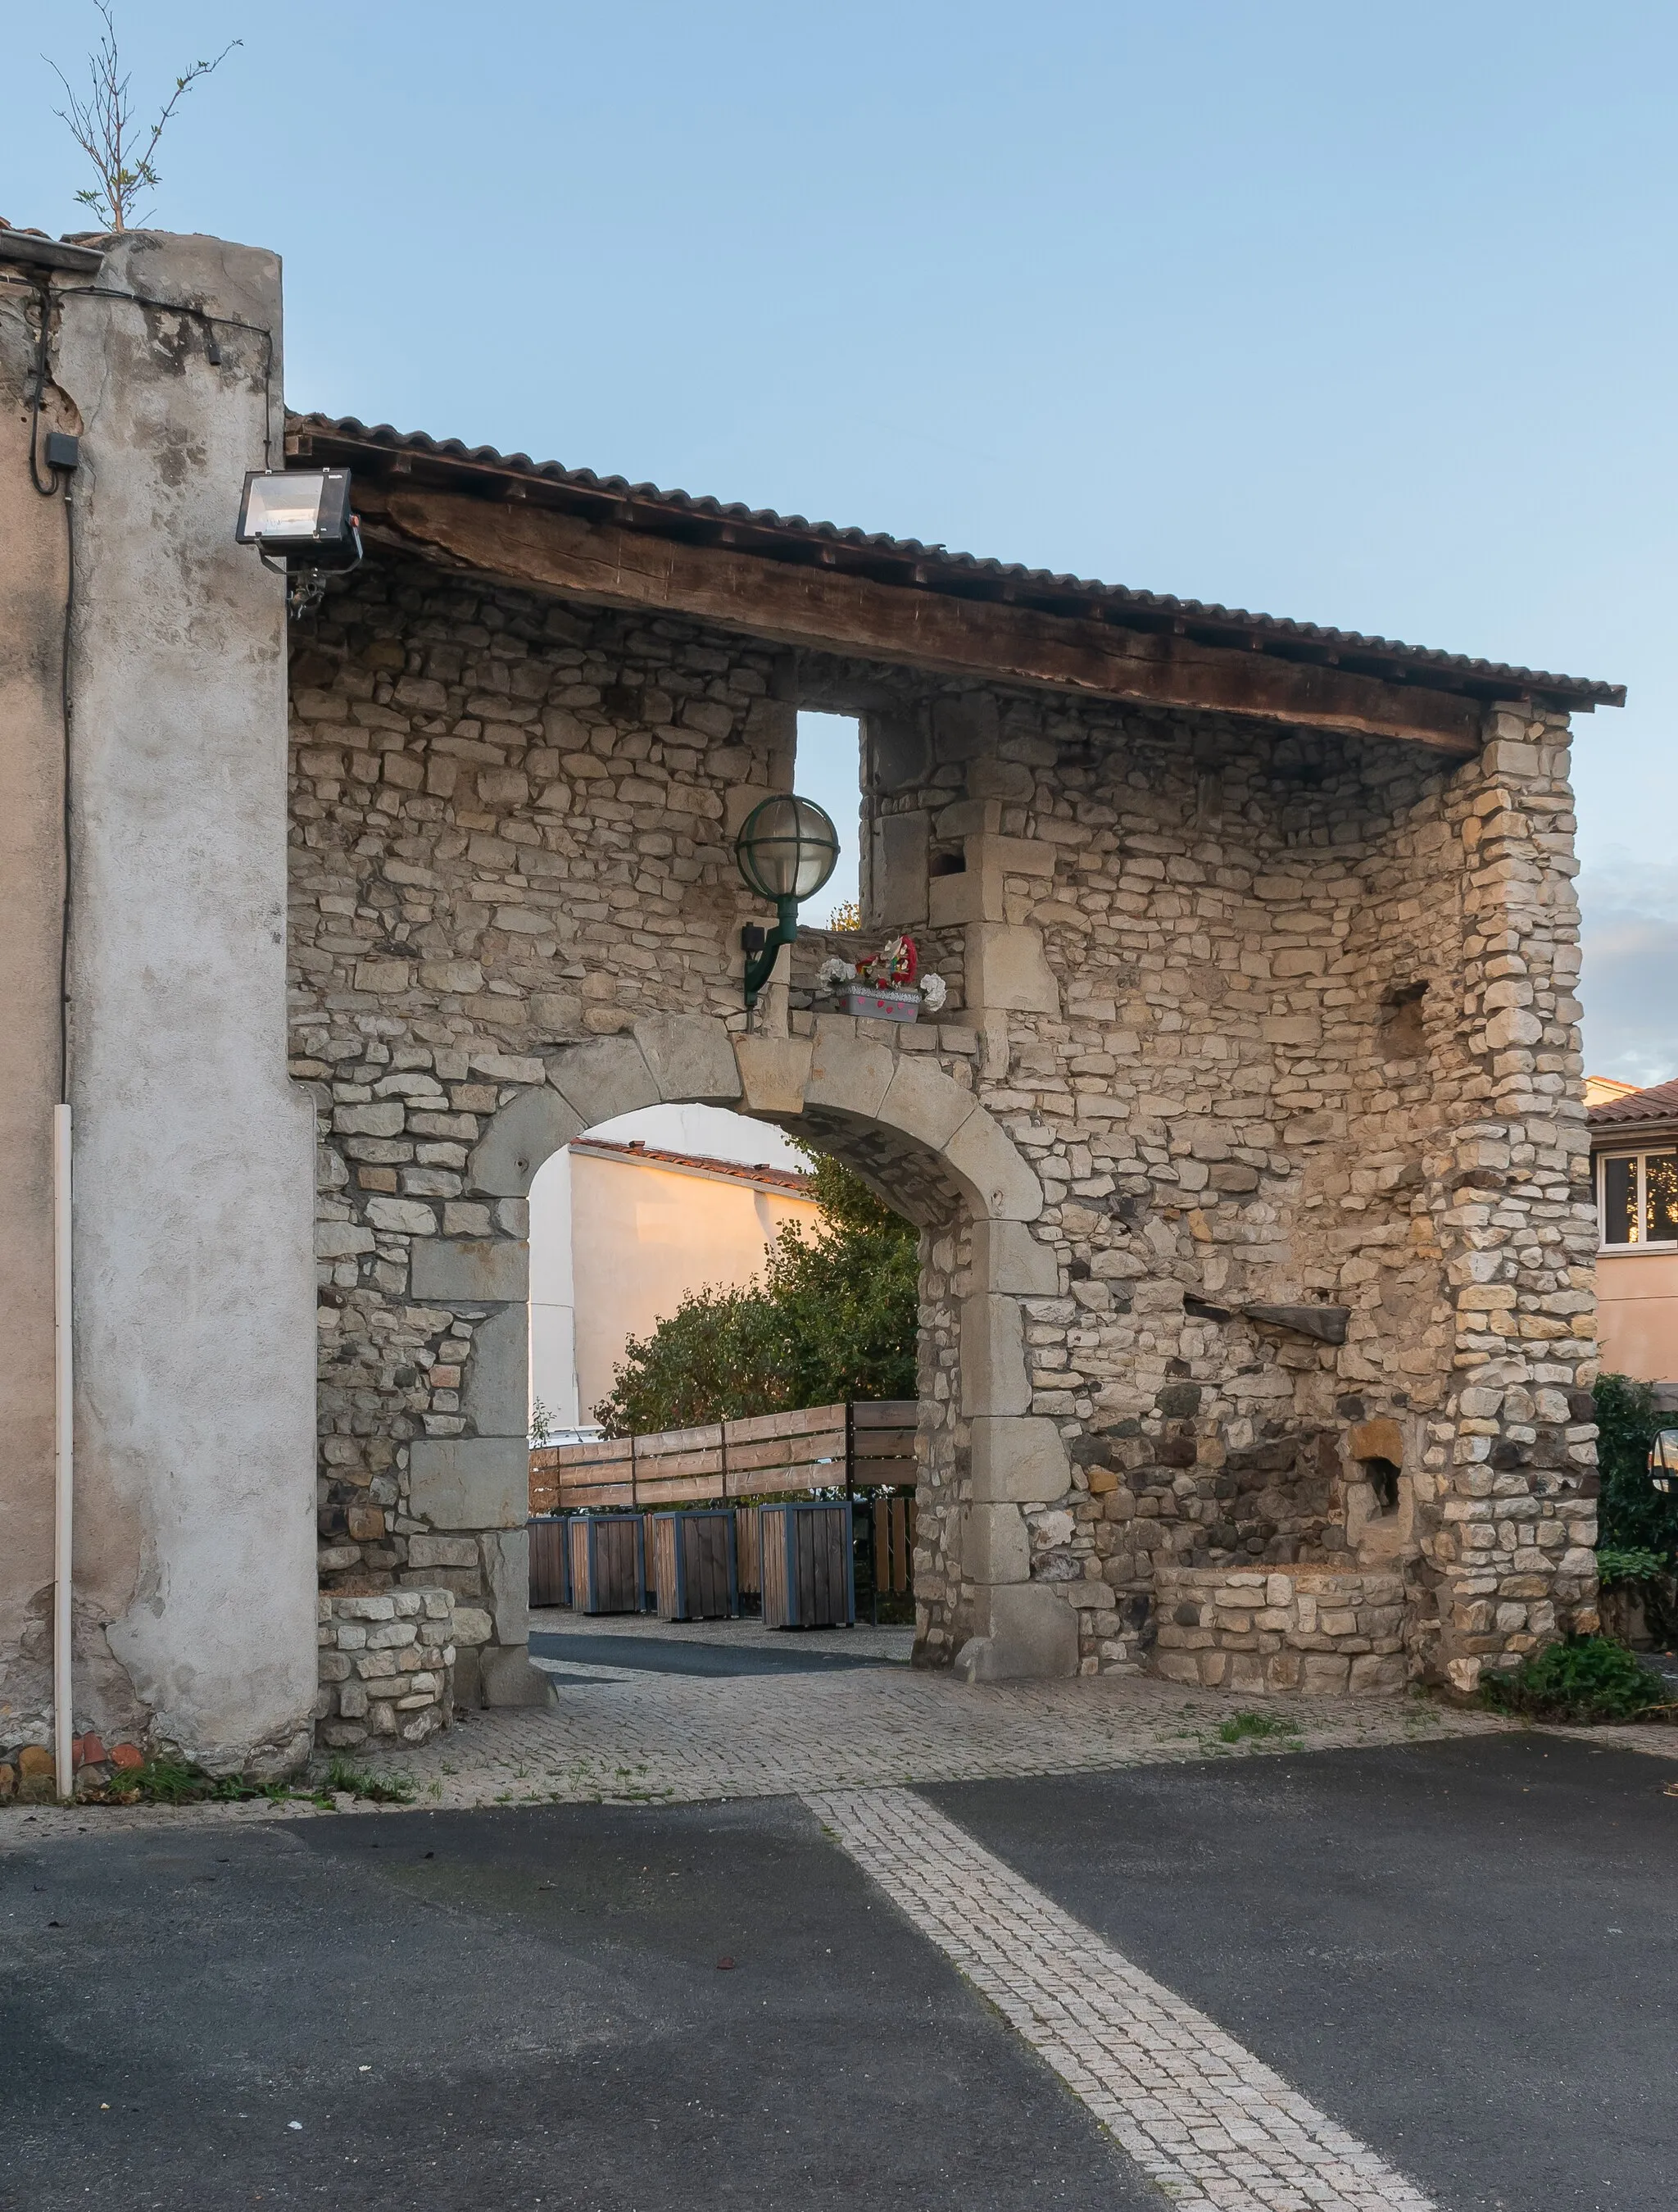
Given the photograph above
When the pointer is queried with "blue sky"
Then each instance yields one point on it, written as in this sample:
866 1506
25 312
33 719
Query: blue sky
1360 315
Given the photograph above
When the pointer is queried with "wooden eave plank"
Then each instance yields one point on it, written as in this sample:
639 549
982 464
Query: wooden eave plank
831 610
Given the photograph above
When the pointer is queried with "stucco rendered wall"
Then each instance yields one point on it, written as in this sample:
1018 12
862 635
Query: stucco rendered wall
32 558
194 1320
1637 1309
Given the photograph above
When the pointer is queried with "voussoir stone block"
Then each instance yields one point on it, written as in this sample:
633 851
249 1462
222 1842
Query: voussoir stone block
690 1058
992 1172
922 1103
848 1074
604 1078
524 1134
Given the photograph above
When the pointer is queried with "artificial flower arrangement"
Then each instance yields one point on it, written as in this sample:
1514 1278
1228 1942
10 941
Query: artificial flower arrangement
889 984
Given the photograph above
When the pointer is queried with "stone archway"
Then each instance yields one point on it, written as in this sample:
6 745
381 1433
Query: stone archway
921 1138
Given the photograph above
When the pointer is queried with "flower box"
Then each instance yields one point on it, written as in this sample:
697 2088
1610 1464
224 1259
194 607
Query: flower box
879 1006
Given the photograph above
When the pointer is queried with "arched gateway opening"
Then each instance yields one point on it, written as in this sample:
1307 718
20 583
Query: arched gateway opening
911 1126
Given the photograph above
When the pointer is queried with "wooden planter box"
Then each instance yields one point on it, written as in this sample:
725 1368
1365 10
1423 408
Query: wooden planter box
807 1576
606 1556
748 1552
550 1561
694 1566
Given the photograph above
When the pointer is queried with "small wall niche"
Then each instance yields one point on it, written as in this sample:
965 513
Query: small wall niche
1382 1476
1404 1030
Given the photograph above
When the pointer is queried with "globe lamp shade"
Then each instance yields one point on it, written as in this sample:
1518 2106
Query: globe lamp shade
787 849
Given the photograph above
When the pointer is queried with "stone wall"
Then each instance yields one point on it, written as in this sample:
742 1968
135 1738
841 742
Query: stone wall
387 1664
1282 1025
1320 1629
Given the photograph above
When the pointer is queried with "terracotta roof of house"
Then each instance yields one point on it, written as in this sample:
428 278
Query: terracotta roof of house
786 1179
1657 1103
378 449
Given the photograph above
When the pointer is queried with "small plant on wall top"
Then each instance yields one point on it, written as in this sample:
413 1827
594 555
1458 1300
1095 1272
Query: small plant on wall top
102 124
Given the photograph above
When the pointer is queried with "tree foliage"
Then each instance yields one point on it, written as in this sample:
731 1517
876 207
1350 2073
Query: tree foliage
833 1316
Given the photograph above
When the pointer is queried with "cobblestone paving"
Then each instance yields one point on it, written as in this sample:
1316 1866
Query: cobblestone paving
671 1739
1211 2125
679 1738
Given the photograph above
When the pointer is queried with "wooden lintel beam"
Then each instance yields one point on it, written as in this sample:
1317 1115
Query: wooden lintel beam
828 609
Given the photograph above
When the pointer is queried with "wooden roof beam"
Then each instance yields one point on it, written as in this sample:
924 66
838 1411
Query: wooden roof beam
834 611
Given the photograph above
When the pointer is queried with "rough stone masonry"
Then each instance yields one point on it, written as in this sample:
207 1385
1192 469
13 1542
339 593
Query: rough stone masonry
1281 1021
1248 1151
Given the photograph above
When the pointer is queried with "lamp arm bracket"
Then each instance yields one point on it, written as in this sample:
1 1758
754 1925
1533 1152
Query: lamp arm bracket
761 966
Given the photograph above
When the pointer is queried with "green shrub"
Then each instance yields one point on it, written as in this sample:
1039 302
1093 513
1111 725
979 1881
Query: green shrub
1588 1678
1633 1516
1635 1565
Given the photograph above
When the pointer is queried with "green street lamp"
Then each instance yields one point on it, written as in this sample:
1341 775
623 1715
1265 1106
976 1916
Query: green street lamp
786 850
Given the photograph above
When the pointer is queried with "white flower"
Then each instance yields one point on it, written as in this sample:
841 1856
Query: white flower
934 991
834 972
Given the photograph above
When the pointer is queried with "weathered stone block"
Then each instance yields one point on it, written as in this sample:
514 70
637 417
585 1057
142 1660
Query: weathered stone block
993 1363
537 1124
1019 1459
471 1270
994 1545
469 1482
772 1073
1007 970
993 1172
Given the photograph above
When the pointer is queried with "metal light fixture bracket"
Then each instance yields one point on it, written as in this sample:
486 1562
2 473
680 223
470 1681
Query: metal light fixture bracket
763 949
304 528
786 850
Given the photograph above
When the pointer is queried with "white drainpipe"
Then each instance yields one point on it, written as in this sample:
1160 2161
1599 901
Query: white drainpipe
63 1458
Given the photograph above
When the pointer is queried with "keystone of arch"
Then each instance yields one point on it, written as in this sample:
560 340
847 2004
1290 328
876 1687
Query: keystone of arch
691 1059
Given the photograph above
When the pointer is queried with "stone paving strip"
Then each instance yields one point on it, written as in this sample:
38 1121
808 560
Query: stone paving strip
1212 2126
673 1739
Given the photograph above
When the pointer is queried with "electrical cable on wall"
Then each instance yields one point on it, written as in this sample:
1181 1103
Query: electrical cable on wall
62 456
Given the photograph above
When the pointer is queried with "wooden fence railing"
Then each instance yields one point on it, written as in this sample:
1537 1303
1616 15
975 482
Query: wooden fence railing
848 1447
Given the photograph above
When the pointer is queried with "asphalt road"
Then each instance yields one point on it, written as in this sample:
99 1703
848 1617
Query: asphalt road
508 2009
669 1654
1466 1952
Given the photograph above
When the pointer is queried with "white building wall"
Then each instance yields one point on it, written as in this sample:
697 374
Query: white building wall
708 1130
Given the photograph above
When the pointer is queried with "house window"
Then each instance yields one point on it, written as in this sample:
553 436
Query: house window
1637 1199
